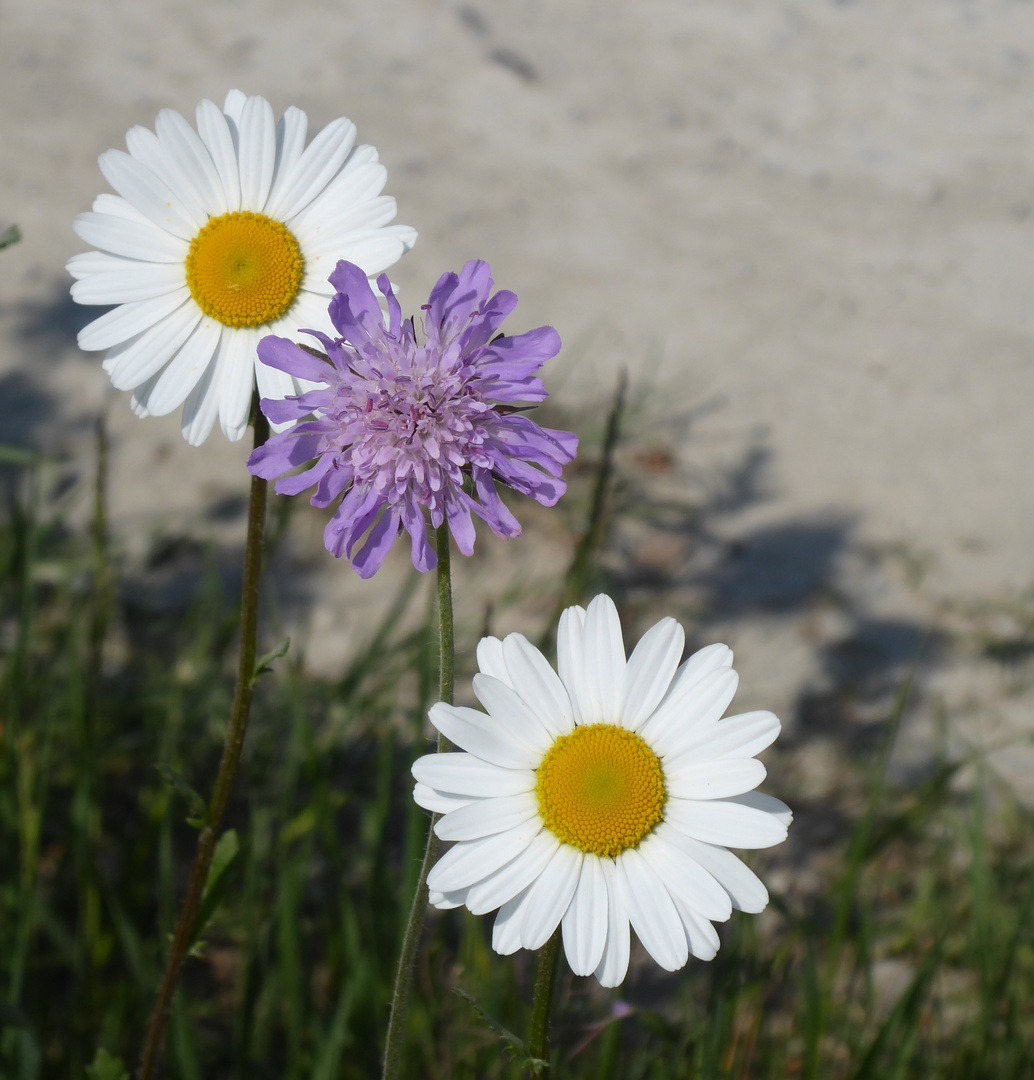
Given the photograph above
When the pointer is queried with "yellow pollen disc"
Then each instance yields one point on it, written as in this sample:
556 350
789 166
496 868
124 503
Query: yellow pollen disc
600 789
244 269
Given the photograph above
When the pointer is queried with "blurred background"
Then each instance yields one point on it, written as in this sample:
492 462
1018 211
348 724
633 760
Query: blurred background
804 230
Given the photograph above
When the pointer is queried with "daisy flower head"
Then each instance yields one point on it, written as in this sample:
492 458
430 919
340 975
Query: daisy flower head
403 431
218 236
602 797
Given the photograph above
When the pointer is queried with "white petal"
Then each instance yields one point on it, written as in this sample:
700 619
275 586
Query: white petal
514 877
311 174
466 774
550 896
767 804
473 860
651 667
605 656
702 936
234 104
538 685
651 911
133 239
372 250
740 736
185 369
202 404
445 901
236 384
746 889
137 281
506 932
614 965
323 238
678 721
570 654
438 802
135 361
256 152
490 660
726 822
488 817
184 146
291 129
360 181
216 135
136 402
147 148
687 778
585 921
315 279
128 320
509 710
149 194
308 312
116 206
683 877
483 736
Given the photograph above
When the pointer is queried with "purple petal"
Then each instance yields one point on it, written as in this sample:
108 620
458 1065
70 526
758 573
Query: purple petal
294 485
367 561
282 454
283 411
333 483
488 321
359 505
460 524
455 299
354 310
287 355
394 310
529 481
424 556
493 511
534 347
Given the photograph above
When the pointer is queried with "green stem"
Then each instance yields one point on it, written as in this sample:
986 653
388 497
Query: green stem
542 1005
415 923
185 926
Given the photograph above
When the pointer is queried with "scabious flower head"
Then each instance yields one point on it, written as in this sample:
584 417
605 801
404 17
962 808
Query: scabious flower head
218 236
602 797
404 430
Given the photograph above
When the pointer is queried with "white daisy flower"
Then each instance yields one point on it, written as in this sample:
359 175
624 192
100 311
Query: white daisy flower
601 797
216 238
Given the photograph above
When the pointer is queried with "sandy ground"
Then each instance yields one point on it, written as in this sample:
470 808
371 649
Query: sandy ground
806 225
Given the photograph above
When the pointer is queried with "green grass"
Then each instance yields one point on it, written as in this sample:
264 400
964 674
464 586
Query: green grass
100 762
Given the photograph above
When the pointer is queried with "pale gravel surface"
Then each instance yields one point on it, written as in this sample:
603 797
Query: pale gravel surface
813 218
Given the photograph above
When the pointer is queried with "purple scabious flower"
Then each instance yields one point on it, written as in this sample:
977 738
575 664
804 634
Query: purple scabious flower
405 431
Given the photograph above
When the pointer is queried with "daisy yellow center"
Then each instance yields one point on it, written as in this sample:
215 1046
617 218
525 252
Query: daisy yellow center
244 269
600 789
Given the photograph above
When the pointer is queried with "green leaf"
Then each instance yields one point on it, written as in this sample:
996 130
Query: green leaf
226 851
106 1066
198 811
263 664
515 1045
11 235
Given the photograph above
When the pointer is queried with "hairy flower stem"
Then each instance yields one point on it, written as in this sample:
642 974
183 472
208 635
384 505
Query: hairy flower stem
185 926
542 1005
415 924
